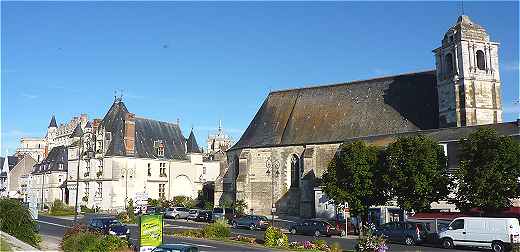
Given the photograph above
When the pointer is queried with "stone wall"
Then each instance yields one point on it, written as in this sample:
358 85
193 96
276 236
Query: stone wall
259 189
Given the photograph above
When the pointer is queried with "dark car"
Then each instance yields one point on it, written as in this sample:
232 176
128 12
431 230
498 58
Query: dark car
205 216
314 227
408 232
109 225
160 210
252 222
175 248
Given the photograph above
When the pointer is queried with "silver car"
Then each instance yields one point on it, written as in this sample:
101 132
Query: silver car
177 213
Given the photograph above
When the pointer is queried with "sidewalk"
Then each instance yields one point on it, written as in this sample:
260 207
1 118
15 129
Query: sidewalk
15 244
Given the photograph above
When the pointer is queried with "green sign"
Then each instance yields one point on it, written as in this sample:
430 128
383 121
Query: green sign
151 230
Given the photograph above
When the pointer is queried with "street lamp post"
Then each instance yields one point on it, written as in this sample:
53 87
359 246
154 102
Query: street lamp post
272 169
89 154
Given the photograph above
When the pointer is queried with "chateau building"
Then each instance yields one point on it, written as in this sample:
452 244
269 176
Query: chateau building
60 135
132 157
33 146
20 175
296 132
49 176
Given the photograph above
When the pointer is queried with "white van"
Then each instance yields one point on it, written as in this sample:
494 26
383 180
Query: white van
494 233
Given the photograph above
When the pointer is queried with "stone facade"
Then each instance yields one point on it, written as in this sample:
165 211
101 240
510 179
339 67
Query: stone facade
300 130
292 190
35 147
468 79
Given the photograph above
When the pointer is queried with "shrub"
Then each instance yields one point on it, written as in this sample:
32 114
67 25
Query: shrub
17 221
274 237
183 201
218 229
85 209
111 243
74 230
369 242
78 238
83 241
58 208
321 244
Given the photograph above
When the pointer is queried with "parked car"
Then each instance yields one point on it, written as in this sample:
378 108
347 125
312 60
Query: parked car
403 231
109 225
193 213
221 213
175 248
252 222
150 210
316 227
177 213
494 233
205 216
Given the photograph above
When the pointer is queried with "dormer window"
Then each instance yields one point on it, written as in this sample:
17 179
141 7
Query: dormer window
159 147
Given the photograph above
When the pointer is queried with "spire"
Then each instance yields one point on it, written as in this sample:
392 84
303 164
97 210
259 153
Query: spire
53 122
191 144
77 131
219 125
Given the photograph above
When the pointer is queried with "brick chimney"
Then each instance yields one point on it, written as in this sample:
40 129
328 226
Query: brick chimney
129 137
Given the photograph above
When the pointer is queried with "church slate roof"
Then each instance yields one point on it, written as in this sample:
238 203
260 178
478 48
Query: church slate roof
53 123
58 155
338 112
191 144
146 132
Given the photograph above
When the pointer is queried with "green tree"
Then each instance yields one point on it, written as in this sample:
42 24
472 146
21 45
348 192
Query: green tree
417 172
488 172
354 176
240 207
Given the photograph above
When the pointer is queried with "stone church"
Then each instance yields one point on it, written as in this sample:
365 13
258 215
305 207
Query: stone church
296 132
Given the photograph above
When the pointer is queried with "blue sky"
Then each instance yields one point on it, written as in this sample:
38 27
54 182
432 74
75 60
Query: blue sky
206 61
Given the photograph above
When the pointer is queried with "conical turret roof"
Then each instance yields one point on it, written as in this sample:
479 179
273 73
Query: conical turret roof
53 122
191 144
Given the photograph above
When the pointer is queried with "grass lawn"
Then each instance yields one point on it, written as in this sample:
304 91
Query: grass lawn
4 246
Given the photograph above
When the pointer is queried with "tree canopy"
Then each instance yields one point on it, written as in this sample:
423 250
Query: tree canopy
488 171
417 172
354 177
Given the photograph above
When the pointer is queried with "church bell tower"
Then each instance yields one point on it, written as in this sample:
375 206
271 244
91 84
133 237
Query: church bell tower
468 80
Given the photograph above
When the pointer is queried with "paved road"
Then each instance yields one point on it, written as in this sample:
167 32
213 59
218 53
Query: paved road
56 227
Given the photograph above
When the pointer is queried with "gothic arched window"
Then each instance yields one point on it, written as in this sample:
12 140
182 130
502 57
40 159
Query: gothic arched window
295 171
480 60
449 64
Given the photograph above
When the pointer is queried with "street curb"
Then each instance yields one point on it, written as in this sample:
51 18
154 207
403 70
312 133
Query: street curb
16 244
